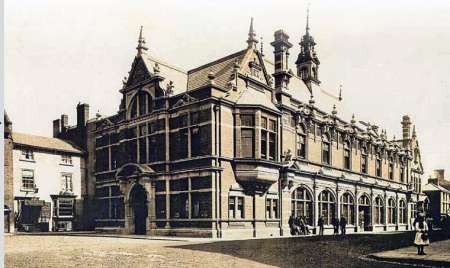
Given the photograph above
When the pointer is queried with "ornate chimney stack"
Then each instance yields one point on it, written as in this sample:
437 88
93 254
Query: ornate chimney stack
406 129
281 46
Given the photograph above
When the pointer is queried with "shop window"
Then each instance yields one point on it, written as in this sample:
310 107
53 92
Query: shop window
201 205
179 206
198 183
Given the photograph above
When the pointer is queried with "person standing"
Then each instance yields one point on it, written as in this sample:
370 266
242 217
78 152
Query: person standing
335 223
321 223
422 237
343 223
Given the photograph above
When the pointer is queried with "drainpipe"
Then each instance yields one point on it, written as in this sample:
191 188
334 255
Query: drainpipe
215 108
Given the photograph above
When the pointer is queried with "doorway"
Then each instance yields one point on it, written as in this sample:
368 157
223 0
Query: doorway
138 203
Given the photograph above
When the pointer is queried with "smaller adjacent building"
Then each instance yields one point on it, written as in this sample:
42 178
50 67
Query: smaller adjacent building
438 192
47 180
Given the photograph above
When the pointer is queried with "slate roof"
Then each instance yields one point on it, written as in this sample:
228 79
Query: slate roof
221 68
45 143
434 187
169 72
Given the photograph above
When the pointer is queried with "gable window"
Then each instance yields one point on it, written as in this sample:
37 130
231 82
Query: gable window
28 179
364 160
66 182
236 207
326 150
27 154
66 159
247 135
347 155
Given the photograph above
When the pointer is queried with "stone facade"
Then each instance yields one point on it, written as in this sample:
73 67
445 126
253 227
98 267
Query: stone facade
236 146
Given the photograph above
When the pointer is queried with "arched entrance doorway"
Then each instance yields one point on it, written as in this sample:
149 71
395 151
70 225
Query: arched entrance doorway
138 204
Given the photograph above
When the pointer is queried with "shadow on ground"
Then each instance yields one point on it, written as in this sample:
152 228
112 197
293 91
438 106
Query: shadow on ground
326 251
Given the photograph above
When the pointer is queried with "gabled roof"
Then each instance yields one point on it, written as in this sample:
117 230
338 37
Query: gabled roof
221 68
45 143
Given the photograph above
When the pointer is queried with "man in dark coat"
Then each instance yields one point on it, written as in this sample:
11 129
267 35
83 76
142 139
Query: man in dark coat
320 224
343 223
335 223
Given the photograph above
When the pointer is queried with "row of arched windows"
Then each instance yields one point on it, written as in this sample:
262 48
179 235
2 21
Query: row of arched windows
302 206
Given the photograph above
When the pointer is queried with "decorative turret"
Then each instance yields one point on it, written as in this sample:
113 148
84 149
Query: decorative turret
141 48
252 41
282 46
307 61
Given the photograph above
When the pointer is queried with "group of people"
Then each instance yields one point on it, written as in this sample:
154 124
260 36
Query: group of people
342 223
298 225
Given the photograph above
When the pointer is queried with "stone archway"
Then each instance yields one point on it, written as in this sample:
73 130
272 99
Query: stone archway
136 185
139 208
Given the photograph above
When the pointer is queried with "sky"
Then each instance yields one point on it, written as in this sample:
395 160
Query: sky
391 57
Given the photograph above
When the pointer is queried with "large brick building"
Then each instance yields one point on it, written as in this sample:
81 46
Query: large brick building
236 146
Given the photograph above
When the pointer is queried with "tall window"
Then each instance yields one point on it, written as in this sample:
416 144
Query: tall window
378 166
364 160
301 146
268 138
247 135
236 207
327 206
28 179
27 154
301 204
348 207
364 201
402 212
391 209
347 155
391 168
402 172
271 208
326 150
379 211
66 182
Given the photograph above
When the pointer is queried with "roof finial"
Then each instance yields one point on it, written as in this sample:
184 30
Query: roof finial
141 48
262 47
251 41
307 19
340 92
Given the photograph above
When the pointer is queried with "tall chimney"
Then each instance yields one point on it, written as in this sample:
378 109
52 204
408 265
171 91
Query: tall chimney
406 129
64 122
56 127
82 114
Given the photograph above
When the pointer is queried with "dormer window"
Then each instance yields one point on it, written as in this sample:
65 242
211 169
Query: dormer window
27 154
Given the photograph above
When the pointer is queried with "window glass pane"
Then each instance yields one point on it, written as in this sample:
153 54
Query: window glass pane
247 120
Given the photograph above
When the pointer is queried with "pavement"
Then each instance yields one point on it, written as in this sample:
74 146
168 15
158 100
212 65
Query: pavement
438 255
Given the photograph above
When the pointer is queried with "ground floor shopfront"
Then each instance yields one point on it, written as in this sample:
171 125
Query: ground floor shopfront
213 203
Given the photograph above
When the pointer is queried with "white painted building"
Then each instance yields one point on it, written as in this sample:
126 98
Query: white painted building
48 175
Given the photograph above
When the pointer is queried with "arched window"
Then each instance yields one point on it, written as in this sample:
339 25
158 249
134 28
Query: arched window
326 206
391 211
364 200
326 150
402 211
348 208
347 155
364 160
301 143
141 104
379 211
301 204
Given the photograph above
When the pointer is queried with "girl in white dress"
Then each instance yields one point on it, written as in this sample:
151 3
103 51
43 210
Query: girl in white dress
422 235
